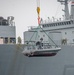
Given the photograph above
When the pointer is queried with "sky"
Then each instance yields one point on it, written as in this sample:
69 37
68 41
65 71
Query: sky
25 14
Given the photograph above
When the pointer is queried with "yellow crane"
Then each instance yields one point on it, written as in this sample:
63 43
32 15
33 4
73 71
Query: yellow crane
38 10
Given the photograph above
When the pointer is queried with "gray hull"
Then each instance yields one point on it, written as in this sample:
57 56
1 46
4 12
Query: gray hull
13 62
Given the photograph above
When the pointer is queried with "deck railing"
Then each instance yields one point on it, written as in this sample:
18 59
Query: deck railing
37 47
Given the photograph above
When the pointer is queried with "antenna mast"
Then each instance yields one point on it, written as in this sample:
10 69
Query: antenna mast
72 9
66 10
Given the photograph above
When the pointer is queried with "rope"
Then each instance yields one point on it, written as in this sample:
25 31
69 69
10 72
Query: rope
57 10
45 33
33 35
36 35
49 37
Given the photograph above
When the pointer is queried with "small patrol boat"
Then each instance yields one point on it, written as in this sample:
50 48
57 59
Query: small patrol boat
46 50
40 49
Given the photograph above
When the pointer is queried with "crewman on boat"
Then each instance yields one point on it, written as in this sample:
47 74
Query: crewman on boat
39 44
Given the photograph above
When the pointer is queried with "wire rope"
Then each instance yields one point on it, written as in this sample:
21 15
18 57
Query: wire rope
49 37
33 34
57 10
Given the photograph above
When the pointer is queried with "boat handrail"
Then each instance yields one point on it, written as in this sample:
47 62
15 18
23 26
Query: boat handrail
37 47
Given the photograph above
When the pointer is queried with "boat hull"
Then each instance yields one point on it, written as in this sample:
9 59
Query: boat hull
41 53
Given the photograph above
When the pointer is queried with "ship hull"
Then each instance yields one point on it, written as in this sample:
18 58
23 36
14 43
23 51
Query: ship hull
13 62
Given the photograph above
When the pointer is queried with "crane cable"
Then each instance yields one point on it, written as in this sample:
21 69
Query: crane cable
49 36
45 33
57 10
38 12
